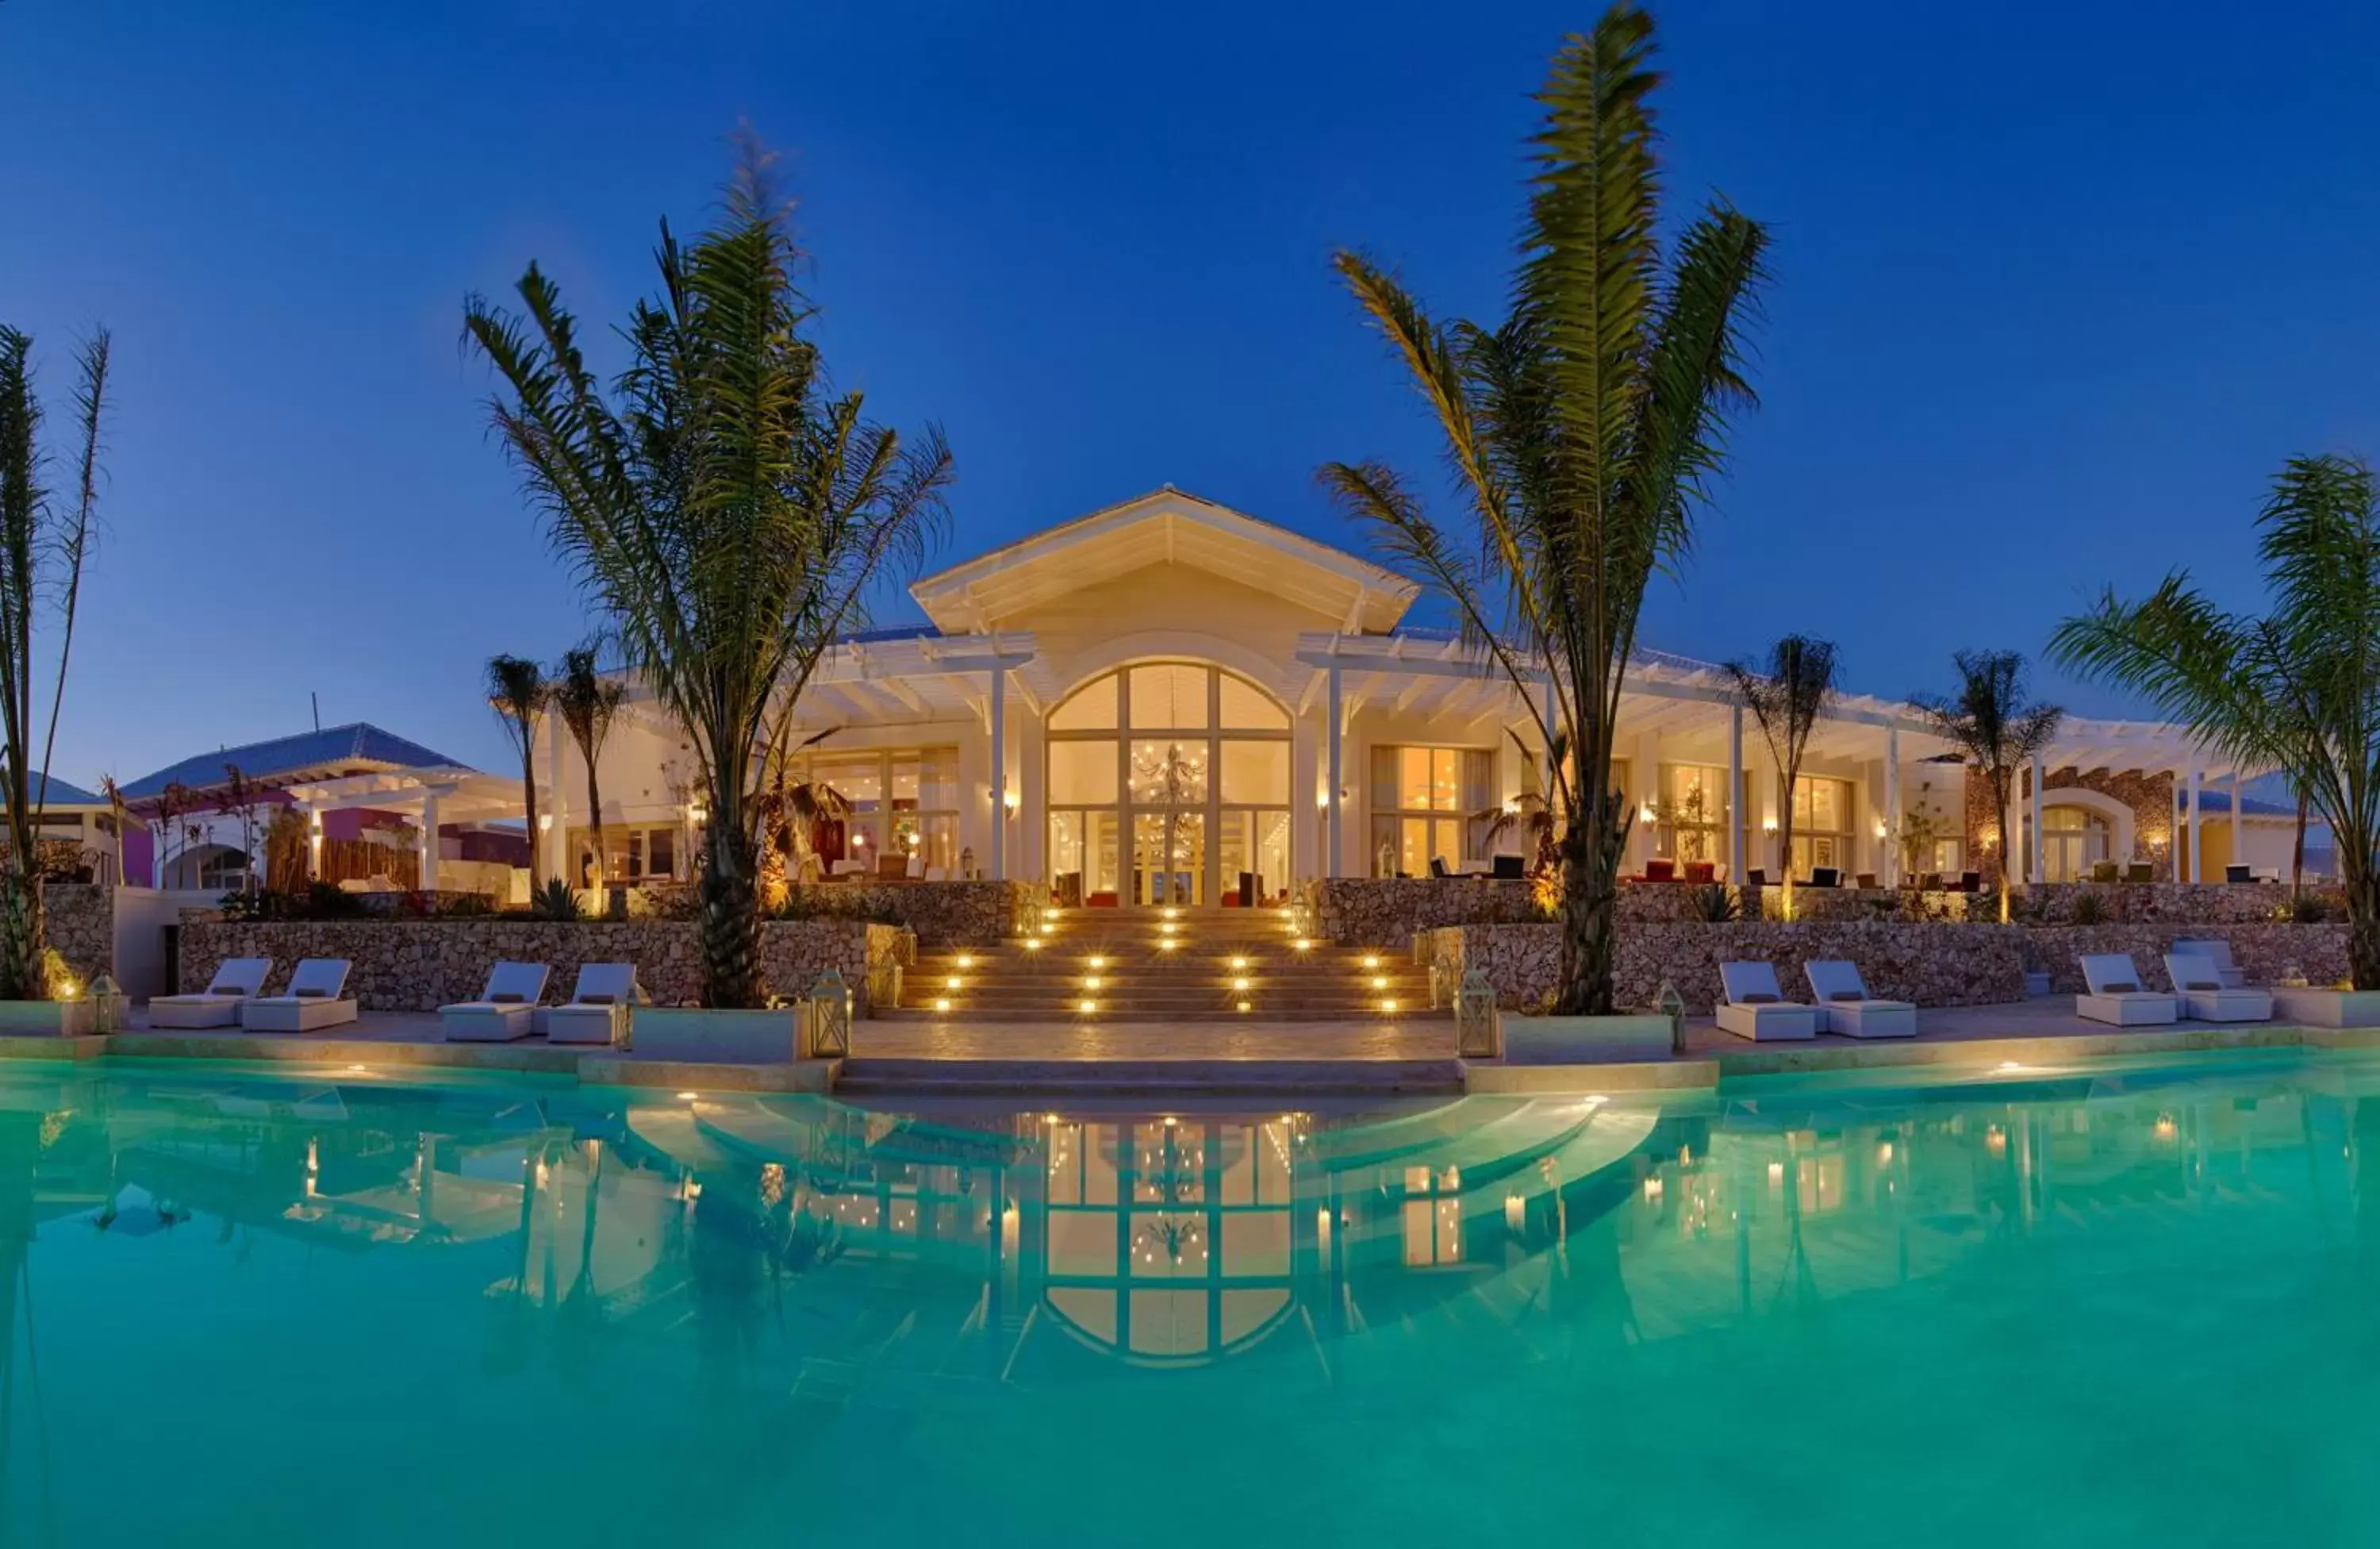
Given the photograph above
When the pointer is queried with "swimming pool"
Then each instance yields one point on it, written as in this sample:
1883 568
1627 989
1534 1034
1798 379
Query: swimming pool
2129 1304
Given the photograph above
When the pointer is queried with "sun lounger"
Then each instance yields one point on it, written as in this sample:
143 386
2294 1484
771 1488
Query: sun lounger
2198 983
598 1009
1756 1009
235 983
2215 950
1845 1007
317 997
2115 994
504 1008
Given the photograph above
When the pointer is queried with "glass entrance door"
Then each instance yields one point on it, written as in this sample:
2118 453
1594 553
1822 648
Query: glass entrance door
1169 855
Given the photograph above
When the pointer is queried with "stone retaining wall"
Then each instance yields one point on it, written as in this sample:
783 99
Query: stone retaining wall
1930 964
942 913
419 965
80 920
2201 903
1933 965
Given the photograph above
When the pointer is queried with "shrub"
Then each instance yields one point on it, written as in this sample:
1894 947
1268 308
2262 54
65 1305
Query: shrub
2306 909
1714 903
555 900
2089 909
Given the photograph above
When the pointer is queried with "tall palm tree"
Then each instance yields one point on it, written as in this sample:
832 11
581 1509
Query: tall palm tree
1989 721
721 502
1583 429
2299 687
519 694
1787 697
117 818
587 702
44 537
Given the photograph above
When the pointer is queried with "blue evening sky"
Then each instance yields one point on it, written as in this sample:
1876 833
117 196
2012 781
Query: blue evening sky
2053 296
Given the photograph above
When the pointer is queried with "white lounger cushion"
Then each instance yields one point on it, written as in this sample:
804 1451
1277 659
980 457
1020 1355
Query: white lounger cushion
2218 950
1846 1008
598 1012
2115 994
505 1008
237 980
1756 1008
315 999
2198 981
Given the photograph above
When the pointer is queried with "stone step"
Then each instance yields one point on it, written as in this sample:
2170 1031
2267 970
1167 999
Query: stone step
1065 1012
967 1077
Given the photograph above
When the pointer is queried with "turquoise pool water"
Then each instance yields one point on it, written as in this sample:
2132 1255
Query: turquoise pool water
2134 1305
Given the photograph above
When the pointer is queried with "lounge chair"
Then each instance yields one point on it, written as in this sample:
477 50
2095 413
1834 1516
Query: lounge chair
507 1010
1845 1007
236 981
2215 950
598 1009
2204 997
1509 867
2115 994
2234 875
1826 876
317 997
1756 1009
2139 871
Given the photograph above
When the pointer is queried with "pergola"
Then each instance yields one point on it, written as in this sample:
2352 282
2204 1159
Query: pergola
432 795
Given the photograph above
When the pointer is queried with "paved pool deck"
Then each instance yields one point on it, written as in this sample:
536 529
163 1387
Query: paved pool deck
1413 1054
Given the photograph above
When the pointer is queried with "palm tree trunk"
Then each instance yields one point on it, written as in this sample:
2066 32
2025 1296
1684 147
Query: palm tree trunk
731 916
2363 921
529 805
1785 837
20 930
1590 909
2297 854
594 804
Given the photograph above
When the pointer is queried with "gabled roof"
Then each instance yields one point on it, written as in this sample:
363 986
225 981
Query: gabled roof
1166 525
63 793
357 748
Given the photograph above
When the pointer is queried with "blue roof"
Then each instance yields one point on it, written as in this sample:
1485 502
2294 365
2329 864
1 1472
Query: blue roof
63 793
333 747
2254 807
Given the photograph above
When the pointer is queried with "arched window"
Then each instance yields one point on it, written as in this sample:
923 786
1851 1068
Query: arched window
1169 783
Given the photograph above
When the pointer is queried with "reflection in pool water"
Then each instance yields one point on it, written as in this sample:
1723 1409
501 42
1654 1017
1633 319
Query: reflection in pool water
2137 1304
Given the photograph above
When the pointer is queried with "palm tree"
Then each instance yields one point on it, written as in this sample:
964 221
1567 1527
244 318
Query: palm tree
726 508
44 540
2299 687
1989 721
1787 698
1583 429
116 816
587 702
519 694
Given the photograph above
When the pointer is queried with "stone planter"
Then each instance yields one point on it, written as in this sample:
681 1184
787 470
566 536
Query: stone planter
1585 1039
2327 1009
48 1018
734 1037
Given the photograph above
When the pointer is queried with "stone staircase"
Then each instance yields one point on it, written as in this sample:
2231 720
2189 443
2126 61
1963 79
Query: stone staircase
1137 966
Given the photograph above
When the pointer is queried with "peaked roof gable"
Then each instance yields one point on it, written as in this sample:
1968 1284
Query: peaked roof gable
358 745
1165 526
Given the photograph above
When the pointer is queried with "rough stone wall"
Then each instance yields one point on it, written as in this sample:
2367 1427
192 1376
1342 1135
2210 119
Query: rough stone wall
2265 953
1852 905
80 921
2202 903
942 913
402 965
1385 911
1933 965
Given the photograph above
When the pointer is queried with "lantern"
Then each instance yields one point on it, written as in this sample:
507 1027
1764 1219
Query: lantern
826 1031
1479 1032
106 1005
1673 1005
966 862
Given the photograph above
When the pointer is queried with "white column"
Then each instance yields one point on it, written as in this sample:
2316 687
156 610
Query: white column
1736 795
2238 800
2197 871
1891 867
313 843
555 841
999 773
428 878
157 876
1335 715
1306 806
2035 851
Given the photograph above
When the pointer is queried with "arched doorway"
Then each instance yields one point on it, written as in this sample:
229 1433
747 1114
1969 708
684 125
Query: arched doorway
2073 839
1169 785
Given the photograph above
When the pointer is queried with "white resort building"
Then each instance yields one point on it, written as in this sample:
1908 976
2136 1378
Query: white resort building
1170 703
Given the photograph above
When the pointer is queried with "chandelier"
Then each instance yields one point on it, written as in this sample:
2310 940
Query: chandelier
1173 778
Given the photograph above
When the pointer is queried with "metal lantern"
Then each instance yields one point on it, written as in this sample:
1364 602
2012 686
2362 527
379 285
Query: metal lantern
1479 1032
966 862
1673 1005
107 1004
827 1031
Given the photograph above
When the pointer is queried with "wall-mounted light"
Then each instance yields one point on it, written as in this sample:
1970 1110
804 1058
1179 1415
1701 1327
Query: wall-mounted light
1010 800
1511 806
544 823
1768 825
693 812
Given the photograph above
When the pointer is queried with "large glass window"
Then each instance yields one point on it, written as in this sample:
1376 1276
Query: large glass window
1191 806
641 852
1428 805
1822 824
904 817
1691 812
2073 839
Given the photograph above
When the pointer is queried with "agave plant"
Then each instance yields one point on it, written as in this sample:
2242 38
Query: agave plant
726 509
2297 686
1583 430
